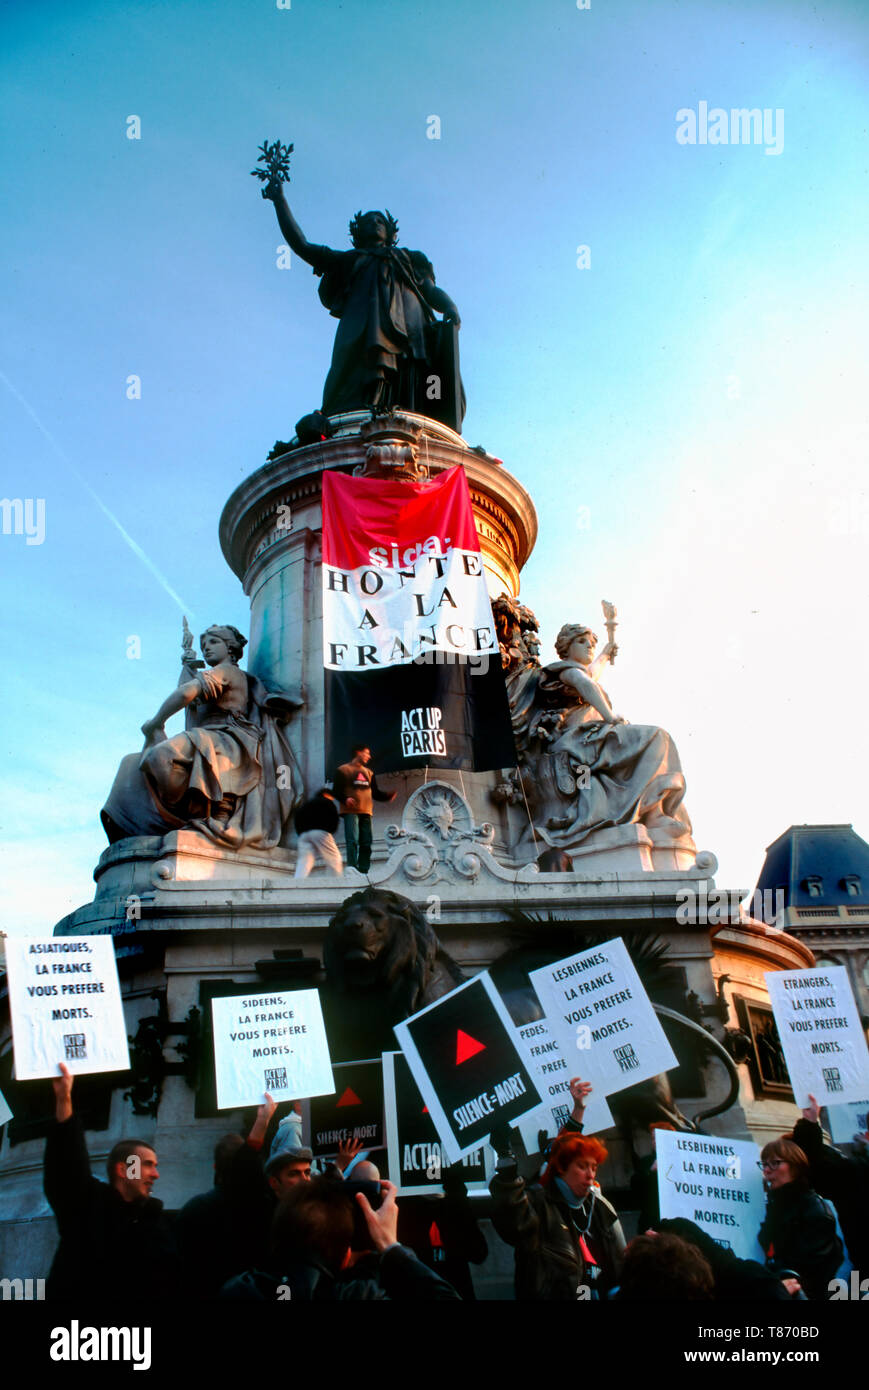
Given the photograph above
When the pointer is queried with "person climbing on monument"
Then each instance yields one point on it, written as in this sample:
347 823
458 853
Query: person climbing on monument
385 297
356 788
316 822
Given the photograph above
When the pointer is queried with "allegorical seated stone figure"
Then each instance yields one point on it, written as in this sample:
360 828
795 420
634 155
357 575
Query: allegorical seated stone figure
584 767
229 775
388 344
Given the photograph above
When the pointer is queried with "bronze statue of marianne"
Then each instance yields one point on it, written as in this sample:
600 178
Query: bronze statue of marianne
390 348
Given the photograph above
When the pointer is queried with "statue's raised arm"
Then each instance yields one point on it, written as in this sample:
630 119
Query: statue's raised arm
390 349
290 229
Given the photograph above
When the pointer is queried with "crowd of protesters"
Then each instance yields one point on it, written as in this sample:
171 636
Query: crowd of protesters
271 1229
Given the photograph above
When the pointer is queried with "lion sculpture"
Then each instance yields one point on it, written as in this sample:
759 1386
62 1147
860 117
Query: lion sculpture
383 962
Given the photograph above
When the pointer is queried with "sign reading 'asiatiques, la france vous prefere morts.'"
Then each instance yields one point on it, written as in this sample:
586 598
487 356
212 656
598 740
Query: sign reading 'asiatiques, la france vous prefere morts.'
463 1055
819 1027
597 996
270 1042
411 657
715 1183
65 1006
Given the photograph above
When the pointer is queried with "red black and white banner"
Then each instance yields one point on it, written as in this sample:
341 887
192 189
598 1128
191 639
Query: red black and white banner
412 664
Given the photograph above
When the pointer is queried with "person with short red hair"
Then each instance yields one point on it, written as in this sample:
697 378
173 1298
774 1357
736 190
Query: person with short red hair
567 1236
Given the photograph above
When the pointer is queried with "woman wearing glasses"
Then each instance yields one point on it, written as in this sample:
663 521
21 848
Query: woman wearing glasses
799 1230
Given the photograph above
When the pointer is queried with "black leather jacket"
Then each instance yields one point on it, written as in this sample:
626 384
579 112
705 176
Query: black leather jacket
802 1233
549 1261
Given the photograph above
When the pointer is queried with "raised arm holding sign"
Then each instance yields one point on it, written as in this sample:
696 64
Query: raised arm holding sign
114 1237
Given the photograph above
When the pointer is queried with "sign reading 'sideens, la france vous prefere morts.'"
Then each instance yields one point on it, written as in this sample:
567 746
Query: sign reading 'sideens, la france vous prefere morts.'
597 995
270 1042
65 1006
819 1027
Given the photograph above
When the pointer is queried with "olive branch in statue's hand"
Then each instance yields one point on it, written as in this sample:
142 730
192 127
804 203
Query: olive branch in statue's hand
276 159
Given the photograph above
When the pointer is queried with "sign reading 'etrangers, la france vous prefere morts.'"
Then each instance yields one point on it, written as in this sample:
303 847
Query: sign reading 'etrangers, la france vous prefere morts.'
65 1006
819 1027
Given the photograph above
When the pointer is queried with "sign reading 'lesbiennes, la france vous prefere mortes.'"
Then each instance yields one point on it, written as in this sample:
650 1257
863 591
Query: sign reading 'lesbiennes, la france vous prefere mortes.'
819 1027
65 1006
715 1183
463 1055
270 1042
600 991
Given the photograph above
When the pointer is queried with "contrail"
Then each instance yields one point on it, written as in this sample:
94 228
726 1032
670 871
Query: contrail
134 546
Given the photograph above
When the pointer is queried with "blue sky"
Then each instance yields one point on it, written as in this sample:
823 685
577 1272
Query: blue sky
689 413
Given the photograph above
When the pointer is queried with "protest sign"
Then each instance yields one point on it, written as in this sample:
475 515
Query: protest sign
598 1011
65 1006
416 1160
463 1055
847 1120
270 1042
819 1027
355 1111
552 1073
715 1183
5 1112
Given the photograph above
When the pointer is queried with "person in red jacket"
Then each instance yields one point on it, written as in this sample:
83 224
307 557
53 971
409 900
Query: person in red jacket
356 790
